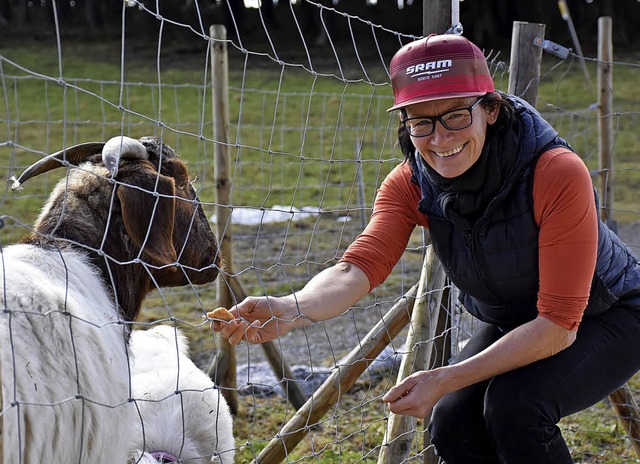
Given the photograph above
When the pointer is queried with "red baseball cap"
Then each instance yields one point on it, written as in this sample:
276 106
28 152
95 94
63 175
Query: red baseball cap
438 67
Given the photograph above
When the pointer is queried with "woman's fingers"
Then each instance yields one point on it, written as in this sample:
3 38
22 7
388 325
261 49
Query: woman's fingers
402 405
399 391
256 321
254 333
234 331
238 330
412 397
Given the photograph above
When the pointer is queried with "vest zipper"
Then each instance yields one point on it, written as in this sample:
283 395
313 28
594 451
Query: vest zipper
476 256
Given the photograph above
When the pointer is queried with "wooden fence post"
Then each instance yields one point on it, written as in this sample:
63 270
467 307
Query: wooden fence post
524 67
605 117
281 370
626 408
622 399
439 16
223 366
396 445
340 381
229 291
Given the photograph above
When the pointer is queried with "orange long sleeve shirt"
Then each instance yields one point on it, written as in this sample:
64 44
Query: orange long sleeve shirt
564 209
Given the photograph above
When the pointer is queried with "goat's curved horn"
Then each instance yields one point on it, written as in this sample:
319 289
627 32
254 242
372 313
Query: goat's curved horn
124 147
71 155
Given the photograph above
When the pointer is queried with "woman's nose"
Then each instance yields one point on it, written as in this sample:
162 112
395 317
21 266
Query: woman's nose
441 135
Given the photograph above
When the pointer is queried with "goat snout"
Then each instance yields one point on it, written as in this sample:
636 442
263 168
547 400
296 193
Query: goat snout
201 265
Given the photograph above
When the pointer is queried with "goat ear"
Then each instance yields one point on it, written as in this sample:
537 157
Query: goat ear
142 209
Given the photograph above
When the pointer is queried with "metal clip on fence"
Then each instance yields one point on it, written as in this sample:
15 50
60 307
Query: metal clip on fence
456 29
552 47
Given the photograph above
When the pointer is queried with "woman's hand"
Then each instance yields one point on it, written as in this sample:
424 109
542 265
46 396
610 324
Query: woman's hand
327 295
537 339
417 394
259 319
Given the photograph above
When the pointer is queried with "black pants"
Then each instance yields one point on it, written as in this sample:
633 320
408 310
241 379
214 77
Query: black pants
511 419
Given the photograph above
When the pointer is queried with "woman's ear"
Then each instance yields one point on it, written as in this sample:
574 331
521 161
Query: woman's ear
492 114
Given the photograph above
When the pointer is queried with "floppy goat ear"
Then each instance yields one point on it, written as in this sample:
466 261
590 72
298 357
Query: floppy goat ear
144 211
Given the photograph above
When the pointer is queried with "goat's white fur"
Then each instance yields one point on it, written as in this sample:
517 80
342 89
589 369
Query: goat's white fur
182 411
63 355
65 375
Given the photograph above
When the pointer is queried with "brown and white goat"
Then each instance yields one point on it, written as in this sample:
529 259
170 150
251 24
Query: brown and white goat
123 222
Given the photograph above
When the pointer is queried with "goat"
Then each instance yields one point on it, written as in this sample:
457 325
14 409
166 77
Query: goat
183 414
125 221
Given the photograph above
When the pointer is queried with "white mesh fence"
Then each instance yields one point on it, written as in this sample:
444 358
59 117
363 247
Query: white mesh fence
310 141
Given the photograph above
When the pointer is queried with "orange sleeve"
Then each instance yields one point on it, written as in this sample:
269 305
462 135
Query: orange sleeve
395 215
564 208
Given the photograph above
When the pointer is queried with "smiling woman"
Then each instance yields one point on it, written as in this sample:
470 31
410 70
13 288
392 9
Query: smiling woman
512 218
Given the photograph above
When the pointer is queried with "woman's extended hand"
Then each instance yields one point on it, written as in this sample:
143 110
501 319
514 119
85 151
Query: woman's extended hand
416 395
259 319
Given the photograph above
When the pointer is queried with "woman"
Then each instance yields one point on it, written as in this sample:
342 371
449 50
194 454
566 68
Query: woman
512 216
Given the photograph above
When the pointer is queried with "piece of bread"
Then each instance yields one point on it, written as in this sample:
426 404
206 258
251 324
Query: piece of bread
220 313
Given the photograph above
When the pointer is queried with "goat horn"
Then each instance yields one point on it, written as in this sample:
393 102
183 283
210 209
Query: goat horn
72 155
121 146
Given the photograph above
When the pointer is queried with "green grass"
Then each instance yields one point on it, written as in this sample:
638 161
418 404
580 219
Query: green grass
289 147
292 141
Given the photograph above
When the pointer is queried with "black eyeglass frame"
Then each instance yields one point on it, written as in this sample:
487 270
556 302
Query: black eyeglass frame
435 119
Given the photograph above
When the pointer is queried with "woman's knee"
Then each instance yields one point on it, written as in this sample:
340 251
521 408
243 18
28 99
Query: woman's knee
444 417
522 425
510 410
454 416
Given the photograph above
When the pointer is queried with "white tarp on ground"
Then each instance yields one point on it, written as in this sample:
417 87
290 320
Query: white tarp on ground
277 213
253 216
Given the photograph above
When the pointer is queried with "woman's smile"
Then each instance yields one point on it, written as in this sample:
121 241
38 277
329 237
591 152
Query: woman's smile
450 153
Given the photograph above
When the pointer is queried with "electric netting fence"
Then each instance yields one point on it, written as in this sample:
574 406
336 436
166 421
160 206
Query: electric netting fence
308 142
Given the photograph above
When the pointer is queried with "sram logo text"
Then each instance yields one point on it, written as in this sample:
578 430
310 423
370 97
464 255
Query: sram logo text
429 66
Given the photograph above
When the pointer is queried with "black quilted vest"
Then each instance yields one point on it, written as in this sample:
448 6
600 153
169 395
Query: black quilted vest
495 264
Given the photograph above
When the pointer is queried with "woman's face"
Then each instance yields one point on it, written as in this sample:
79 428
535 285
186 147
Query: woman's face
451 152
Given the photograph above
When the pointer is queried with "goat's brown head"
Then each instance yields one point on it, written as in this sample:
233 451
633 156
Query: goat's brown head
151 231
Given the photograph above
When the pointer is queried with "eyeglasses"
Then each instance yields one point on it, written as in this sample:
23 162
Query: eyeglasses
457 119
